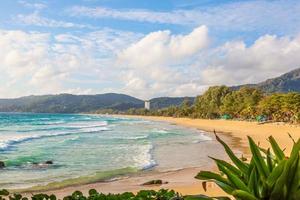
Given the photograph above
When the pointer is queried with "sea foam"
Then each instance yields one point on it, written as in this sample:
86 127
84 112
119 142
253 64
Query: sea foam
10 139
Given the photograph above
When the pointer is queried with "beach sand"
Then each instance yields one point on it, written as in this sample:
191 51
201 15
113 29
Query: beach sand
183 180
241 129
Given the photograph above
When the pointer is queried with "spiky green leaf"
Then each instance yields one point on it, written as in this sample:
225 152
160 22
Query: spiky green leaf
239 164
258 159
276 149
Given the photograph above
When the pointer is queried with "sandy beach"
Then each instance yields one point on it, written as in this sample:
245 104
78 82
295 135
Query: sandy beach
234 132
241 129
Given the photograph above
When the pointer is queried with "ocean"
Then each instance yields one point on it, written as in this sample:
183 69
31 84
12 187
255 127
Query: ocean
89 148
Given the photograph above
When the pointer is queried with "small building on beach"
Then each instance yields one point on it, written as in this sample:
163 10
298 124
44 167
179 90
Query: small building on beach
147 105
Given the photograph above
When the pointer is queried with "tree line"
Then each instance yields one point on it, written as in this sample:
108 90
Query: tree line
244 104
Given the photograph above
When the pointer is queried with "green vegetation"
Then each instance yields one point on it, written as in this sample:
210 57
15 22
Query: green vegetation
208 105
282 107
110 103
242 103
221 102
94 195
68 103
268 175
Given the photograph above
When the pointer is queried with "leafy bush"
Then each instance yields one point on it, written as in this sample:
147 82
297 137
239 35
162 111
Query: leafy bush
245 103
269 175
94 195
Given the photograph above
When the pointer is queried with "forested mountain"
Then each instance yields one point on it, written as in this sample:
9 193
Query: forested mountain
288 82
68 103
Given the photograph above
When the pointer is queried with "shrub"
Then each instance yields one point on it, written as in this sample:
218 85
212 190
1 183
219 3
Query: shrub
94 195
268 175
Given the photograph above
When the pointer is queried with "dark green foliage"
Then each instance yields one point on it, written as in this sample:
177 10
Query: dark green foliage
268 175
242 103
94 195
202 197
281 107
208 105
4 193
220 102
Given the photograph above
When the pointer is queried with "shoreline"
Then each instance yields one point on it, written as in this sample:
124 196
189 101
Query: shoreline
238 130
182 180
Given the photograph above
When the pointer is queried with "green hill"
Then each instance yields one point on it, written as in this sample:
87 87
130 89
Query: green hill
68 103
288 82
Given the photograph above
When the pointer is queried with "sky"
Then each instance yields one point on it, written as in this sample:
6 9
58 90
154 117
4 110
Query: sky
144 48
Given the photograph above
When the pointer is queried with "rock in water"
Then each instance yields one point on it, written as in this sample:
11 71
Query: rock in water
49 162
154 182
2 164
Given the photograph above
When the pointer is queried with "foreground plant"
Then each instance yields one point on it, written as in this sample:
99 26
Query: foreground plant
270 175
94 195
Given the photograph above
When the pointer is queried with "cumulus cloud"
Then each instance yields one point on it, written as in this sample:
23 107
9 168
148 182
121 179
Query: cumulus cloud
27 60
161 47
161 64
39 63
19 49
157 64
236 63
153 63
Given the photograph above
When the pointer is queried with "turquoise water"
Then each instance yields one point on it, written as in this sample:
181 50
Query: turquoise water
83 145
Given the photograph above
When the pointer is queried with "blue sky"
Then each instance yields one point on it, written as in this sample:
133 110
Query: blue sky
144 48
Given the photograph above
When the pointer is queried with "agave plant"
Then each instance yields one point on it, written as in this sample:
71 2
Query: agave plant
269 174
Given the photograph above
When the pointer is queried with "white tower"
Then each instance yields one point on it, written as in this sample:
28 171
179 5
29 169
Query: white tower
147 105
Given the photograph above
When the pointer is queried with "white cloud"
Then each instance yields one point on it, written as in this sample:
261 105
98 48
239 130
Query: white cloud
161 47
18 49
158 64
152 65
267 57
279 16
175 17
27 60
35 19
189 89
36 6
41 63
